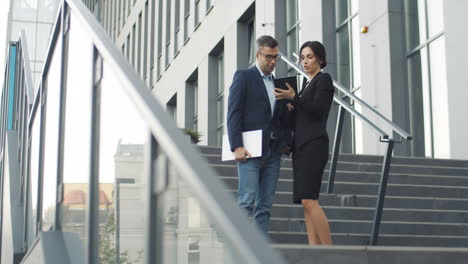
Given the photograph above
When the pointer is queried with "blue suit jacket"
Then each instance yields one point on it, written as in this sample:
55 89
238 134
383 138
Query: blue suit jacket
249 109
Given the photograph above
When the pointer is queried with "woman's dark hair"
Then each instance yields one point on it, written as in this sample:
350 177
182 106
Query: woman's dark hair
319 52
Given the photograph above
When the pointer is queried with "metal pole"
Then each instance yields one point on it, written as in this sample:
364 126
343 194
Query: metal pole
336 148
117 222
381 195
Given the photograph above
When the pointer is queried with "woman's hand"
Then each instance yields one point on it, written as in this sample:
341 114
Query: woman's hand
285 94
290 107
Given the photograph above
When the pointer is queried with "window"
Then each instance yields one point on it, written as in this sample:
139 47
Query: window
186 18
348 60
168 31
195 105
427 78
152 32
159 62
251 41
197 13
171 107
176 26
124 12
133 44
191 102
139 45
127 50
145 43
193 252
293 30
209 4
220 99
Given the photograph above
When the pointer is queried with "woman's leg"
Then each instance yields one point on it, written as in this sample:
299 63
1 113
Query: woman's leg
318 229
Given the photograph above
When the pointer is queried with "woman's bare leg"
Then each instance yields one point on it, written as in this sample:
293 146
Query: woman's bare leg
318 229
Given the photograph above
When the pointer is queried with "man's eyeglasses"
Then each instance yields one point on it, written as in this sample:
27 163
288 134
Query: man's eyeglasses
271 57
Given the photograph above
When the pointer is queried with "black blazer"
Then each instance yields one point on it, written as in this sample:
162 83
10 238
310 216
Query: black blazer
311 107
249 109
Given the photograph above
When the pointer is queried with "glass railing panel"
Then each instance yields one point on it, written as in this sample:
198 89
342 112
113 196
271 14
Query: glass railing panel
77 136
35 135
52 105
190 235
121 175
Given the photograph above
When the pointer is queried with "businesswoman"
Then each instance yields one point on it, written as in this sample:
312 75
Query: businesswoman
308 115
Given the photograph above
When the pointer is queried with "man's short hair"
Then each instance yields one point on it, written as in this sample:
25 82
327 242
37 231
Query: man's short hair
266 41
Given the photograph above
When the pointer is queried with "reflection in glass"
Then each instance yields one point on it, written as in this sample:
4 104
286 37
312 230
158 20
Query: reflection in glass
341 11
121 188
189 234
34 169
343 62
427 103
291 8
439 97
416 105
356 52
435 16
415 23
77 145
52 112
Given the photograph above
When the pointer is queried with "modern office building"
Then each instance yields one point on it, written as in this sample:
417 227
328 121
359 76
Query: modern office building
94 167
36 18
404 58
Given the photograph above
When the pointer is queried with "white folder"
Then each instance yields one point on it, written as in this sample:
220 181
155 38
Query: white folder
252 143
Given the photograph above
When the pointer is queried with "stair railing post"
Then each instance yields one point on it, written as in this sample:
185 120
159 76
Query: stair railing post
336 149
382 189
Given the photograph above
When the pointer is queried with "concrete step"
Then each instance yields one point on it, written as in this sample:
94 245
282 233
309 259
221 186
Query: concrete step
286 185
358 200
216 151
372 177
387 240
302 254
365 227
286 171
361 165
367 213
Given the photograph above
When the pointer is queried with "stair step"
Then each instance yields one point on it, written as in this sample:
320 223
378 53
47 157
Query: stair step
358 200
286 171
370 177
301 254
365 227
216 151
285 185
387 240
367 213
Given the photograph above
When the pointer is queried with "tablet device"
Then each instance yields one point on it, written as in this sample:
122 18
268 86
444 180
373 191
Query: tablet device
281 82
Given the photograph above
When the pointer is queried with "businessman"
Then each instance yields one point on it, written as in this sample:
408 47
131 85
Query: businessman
252 106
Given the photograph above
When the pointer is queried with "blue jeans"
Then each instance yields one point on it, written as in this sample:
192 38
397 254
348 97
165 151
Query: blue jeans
257 186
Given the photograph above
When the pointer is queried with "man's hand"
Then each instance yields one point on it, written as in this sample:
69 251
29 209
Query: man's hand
290 107
241 154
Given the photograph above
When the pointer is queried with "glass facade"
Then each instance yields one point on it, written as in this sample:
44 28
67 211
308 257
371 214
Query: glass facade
427 77
293 31
348 63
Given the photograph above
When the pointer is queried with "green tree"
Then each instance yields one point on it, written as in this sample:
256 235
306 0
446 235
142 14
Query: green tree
107 250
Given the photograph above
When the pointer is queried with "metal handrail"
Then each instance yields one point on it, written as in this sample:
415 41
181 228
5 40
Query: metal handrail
351 110
243 237
384 137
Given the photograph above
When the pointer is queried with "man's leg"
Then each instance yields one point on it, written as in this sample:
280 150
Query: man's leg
249 174
268 180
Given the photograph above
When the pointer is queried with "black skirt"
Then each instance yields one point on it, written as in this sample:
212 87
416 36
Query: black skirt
309 161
